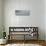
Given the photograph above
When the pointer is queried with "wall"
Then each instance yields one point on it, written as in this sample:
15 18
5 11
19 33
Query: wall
35 19
45 19
0 18
39 12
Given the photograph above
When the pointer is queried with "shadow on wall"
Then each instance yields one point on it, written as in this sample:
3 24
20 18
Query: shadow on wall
1 34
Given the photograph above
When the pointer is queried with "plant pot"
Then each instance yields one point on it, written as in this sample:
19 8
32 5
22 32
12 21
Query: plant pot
3 41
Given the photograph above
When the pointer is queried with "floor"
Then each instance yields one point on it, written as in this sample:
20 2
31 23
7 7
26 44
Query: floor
21 45
25 43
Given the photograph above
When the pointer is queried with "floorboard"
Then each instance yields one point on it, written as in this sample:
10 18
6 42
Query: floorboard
25 43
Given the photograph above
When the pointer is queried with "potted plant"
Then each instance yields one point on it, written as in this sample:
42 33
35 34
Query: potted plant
2 37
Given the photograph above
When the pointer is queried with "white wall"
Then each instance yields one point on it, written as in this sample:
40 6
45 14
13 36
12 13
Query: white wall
45 19
35 19
0 12
0 18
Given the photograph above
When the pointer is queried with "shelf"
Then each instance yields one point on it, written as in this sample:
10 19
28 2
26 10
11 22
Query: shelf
24 32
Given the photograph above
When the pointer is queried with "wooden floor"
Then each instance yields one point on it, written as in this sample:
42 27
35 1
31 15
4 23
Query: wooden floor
39 42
